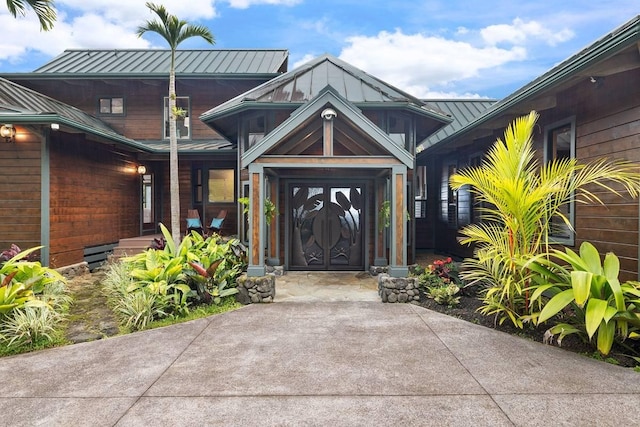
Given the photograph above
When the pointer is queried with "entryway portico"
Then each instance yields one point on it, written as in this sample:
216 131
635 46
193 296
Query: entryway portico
333 149
335 170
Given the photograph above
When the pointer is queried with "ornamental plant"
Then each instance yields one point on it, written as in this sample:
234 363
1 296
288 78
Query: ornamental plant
519 198
441 272
444 295
169 282
585 296
440 281
33 300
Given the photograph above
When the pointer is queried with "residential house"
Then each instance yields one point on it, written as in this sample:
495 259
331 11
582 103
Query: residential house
89 120
327 142
333 148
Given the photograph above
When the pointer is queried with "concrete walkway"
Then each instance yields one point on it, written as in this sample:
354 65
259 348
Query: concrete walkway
322 363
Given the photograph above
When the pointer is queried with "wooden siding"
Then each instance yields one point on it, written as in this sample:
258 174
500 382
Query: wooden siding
95 197
607 121
143 101
20 191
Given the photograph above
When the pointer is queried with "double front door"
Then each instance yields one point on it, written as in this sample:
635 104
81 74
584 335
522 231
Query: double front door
326 226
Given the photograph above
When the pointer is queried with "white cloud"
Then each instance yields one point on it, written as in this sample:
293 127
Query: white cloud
131 13
308 57
244 4
83 34
519 32
424 65
90 24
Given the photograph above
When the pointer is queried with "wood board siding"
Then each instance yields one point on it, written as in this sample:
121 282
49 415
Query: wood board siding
613 227
95 197
607 121
20 191
143 101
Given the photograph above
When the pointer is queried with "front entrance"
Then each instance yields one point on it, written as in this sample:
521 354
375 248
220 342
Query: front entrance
326 226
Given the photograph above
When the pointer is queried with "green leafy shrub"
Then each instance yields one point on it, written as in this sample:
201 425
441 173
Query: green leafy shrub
520 198
28 325
586 295
445 294
138 309
169 282
33 301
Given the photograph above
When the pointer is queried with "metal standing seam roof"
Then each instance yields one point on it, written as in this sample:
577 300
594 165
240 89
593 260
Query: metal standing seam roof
156 62
27 106
305 83
462 111
625 35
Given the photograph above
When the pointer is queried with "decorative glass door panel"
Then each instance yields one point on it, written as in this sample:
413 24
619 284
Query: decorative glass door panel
326 227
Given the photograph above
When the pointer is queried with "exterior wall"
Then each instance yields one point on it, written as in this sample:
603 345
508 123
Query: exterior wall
143 101
143 120
607 120
95 197
20 190
608 125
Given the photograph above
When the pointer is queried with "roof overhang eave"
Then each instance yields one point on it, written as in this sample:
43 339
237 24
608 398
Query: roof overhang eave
247 105
55 118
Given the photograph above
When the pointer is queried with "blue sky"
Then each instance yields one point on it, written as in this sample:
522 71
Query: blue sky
436 49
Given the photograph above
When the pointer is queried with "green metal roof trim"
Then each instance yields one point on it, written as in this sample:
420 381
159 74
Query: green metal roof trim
19 104
618 39
462 111
156 62
189 146
328 95
304 83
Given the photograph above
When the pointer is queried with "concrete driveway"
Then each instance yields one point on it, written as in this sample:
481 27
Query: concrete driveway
327 364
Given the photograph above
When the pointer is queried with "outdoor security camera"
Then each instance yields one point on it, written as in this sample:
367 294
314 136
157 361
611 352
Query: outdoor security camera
329 114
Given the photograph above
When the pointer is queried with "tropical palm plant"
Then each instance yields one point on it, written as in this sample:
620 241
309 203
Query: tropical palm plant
519 199
174 31
43 8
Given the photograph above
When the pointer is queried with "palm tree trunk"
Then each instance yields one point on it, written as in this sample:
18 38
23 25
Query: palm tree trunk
174 185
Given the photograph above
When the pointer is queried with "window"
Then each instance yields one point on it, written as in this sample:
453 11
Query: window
448 197
111 105
182 121
197 185
221 186
421 192
455 205
559 143
476 205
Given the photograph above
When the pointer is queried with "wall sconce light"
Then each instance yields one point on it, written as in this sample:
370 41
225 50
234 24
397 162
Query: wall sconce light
142 169
8 132
55 126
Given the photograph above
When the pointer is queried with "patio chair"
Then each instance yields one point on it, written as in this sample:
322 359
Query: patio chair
218 222
193 222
